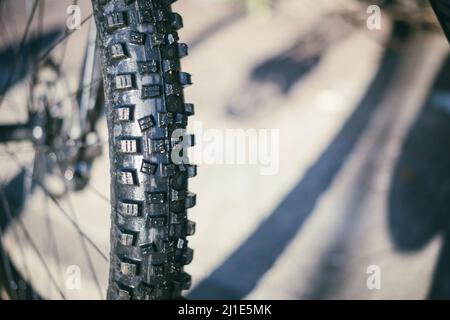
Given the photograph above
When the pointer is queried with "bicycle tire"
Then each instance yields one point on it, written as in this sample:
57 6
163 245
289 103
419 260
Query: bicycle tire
140 57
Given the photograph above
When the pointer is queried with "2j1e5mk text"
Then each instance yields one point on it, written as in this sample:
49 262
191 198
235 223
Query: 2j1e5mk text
226 309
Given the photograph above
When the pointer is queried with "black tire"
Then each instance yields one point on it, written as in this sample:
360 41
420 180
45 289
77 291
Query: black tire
144 105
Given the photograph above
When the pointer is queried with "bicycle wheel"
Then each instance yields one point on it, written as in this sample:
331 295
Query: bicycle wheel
139 57
145 106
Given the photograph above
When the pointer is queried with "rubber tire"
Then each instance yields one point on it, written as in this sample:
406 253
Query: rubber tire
144 100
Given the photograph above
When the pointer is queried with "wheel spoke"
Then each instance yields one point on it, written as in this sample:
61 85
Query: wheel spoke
9 217
63 212
64 49
34 247
39 159
38 9
63 53
64 37
6 37
98 192
20 47
52 239
80 89
73 222
6 262
74 216
86 251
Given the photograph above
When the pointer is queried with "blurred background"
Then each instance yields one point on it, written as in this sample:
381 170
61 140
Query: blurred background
359 208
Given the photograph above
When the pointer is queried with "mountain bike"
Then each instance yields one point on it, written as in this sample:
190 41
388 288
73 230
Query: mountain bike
131 73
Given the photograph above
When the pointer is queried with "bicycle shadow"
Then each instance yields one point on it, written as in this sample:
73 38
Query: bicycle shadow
240 272
12 201
275 77
16 65
419 199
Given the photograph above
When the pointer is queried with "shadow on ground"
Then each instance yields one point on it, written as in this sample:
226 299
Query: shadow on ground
240 272
13 193
18 59
12 200
276 76
420 190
